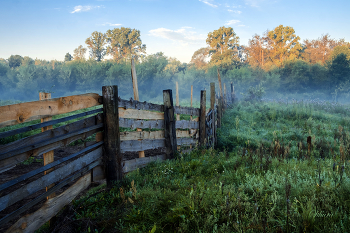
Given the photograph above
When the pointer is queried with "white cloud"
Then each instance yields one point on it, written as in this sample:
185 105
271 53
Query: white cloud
241 25
232 22
111 24
181 35
236 12
254 3
208 3
81 8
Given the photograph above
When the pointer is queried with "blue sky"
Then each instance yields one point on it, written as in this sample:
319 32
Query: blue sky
47 29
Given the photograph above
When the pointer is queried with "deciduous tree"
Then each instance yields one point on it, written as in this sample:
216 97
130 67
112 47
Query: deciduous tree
97 43
320 49
125 43
199 58
79 53
223 47
284 44
257 50
67 57
15 61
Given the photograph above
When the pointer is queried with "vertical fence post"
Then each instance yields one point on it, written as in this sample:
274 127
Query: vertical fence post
134 80
136 96
225 97
177 100
169 124
232 93
191 98
212 95
212 106
202 119
219 111
220 86
49 156
112 156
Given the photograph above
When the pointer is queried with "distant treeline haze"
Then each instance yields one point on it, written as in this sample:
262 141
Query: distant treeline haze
277 60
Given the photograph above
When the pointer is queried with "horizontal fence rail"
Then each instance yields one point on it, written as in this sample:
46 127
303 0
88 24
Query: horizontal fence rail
47 123
47 167
24 112
11 154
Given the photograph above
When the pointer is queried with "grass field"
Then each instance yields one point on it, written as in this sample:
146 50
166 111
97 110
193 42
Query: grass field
280 167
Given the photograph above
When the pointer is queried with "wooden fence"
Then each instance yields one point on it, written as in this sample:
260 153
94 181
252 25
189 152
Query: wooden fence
103 158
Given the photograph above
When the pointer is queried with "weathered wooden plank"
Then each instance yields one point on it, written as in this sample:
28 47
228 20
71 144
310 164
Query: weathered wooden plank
51 165
142 124
132 145
186 110
183 124
99 172
49 141
140 114
44 124
24 112
27 206
52 177
134 104
34 139
133 164
112 152
11 162
186 141
51 207
187 133
124 136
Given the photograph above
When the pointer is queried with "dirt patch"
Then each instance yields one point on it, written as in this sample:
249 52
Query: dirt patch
37 162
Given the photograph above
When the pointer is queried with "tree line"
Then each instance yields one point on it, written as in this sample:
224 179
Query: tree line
277 60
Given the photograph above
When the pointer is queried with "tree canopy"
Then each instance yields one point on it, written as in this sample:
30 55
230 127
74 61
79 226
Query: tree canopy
67 57
223 44
284 44
199 58
97 44
125 43
79 53
15 61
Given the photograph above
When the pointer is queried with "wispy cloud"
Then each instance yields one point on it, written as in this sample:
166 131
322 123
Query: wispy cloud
208 3
254 3
81 8
182 35
236 12
232 22
111 24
